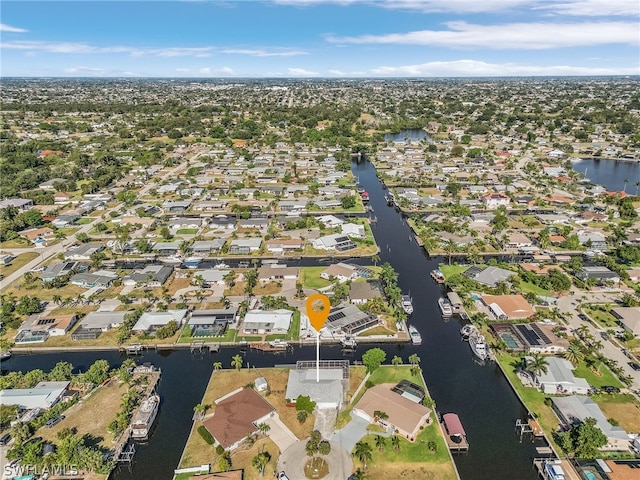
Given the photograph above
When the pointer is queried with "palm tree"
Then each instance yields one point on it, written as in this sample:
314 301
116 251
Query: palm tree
199 411
381 442
537 364
362 451
263 428
261 461
217 366
376 258
395 441
574 353
396 360
236 362
414 359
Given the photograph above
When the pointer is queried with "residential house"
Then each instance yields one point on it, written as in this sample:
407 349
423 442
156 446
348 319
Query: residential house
274 272
151 321
490 276
99 278
22 204
37 235
60 269
628 318
53 325
559 378
95 323
244 246
353 230
43 396
166 248
278 246
267 321
190 223
211 323
207 246
510 307
349 319
575 409
258 223
361 292
222 222
495 200
176 206
153 276
340 271
600 273
83 251
212 276
325 387
337 241
330 221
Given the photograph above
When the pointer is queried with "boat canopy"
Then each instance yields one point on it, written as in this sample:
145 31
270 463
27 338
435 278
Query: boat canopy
453 425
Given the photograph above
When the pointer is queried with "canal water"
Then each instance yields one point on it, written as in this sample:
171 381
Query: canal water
407 135
611 173
480 395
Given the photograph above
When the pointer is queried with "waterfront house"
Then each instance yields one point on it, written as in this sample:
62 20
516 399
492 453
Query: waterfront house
508 307
191 223
53 325
222 222
330 221
577 408
244 246
600 273
151 321
211 323
278 246
237 415
337 241
267 321
361 292
212 276
490 276
61 269
258 223
207 246
495 200
349 319
404 414
274 272
328 393
559 378
353 230
166 248
340 271
95 323
44 395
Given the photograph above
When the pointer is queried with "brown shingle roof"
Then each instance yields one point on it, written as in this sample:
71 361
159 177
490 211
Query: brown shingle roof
235 416
514 306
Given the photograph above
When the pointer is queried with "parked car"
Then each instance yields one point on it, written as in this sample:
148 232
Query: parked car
4 440
282 476
610 389
635 366
54 421
583 317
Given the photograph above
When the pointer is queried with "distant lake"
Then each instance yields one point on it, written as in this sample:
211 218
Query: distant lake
410 134
610 173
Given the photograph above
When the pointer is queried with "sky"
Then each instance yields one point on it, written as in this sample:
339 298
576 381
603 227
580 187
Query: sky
319 38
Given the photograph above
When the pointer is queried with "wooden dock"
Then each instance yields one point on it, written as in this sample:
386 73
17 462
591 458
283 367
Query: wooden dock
267 347
462 446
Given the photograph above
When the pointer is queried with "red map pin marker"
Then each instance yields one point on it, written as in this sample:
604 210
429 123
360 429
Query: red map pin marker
318 316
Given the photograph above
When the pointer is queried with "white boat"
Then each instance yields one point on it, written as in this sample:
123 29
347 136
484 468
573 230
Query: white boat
172 259
406 304
144 417
5 355
445 307
348 343
416 338
221 266
278 343
191 262
479 346
467 330
437 275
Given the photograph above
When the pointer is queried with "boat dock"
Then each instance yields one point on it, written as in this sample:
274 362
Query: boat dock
454 433
200 346
463 446
569 473
268 347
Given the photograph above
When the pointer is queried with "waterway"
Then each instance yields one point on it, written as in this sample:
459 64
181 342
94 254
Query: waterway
480 395
407 135
610 173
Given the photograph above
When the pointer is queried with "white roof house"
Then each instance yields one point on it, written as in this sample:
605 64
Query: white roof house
267 321
328 392
353 230
577 408
559 378
330 221
44 395
150 321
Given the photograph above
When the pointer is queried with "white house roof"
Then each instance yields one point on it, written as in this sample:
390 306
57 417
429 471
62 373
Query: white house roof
577 408
158 319
328 390
44 395
560 372
276 319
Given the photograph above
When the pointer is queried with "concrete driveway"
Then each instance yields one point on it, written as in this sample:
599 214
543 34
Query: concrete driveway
351 433
292 461
280 433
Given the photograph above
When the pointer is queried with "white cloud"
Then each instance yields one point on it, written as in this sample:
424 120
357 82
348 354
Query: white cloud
301 72
8 28
206 71
593 8
427 6
263 53
474 68
513 36
85 70
338 73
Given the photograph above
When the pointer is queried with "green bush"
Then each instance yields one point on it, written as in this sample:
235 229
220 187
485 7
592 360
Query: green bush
206 435
219 449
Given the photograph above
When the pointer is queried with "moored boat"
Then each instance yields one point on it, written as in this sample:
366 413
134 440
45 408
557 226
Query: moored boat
406 304
144 417
445 307
278 343
416 338
467 330
349 343
171 259
191 262
5 355
437 275
479 345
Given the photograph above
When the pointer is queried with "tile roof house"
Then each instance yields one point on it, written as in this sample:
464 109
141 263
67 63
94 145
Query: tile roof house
404 414
508 306
559 378
151 321
236 416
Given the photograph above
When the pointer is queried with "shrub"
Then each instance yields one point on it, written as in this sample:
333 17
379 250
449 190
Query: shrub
219 448
206 435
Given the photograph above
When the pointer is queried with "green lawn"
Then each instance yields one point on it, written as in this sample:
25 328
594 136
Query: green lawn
605 377
531 288
604 319
18 262
450 270
229 336
310 277
187 231
84 221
